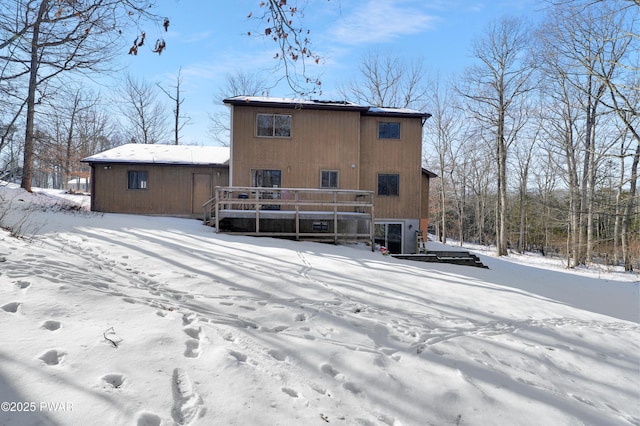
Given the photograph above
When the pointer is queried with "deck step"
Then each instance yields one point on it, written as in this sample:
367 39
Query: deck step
453 257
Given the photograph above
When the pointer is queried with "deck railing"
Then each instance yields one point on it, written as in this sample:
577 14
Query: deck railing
338 205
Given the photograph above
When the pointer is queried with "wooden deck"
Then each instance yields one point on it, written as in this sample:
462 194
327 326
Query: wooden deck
297 213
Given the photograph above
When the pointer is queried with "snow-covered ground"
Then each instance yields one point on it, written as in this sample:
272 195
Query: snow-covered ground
132 320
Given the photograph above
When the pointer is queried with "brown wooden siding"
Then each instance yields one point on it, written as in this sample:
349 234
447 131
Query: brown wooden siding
424 203
170 189
394 156
320 140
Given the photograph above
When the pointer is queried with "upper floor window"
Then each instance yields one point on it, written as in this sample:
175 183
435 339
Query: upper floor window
389 184
137 180
388 130
273 125
328 179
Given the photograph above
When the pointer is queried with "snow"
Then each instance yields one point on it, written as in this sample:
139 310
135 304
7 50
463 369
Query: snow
132 320
315 103
162 154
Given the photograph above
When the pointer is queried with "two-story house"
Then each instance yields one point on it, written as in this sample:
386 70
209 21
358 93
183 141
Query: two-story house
287 143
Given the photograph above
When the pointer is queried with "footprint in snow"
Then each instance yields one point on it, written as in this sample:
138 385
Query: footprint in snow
291 392
192 349
277 355
12 307
149 419
330 371
53 357
187 404
23 285
189 319
194 332
51 325
240 357
114 380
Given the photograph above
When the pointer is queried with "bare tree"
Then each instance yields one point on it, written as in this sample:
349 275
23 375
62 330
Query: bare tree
239 84
386 81
179 121
582 52
44 40
443 135
496 88
146 116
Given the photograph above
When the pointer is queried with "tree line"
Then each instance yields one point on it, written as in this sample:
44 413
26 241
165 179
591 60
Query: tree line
537 144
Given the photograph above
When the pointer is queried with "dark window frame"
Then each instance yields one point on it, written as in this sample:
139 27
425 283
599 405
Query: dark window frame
330 174
138 180
388 130
386 185
274 126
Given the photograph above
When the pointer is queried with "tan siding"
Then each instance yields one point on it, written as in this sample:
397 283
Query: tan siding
320 140
398 156
424 204
169 191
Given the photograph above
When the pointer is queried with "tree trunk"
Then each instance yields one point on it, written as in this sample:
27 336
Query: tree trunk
501 226
626 255
27 165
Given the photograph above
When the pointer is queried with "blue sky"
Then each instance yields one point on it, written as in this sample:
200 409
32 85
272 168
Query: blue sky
208 40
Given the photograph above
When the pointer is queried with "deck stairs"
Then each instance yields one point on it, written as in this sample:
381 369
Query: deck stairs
456 257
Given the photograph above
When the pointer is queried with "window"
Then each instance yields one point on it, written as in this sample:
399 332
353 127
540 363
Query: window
137 180
389 184
388 130
266 178
328 179
273 125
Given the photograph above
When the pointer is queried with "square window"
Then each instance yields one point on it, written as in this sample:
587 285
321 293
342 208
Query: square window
389 184
273 125
388 130
137 180
328 179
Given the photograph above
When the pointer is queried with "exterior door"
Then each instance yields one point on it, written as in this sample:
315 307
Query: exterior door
267 179
201 192
389 235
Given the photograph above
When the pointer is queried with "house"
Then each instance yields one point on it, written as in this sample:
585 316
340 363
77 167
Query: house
170 180
325 145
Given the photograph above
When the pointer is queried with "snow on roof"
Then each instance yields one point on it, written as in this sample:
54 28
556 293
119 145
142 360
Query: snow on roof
293 103
322 104
396 111
162 154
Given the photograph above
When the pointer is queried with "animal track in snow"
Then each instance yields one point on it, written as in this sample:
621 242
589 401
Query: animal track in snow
12 307
52 325
53 357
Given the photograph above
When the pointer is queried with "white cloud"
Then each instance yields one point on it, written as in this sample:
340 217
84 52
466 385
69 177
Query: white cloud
378 21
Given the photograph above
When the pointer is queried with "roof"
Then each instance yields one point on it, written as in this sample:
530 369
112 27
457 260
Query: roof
163 154
291 103
429 174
